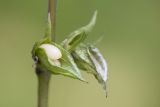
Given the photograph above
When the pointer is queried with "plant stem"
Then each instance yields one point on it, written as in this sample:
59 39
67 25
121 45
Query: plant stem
52 7
43 87
45 76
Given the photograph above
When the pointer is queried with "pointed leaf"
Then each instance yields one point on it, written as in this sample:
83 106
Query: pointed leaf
64 66
100 65
89 59
48 28
78 36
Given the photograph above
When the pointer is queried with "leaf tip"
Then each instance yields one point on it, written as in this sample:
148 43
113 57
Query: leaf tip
92 22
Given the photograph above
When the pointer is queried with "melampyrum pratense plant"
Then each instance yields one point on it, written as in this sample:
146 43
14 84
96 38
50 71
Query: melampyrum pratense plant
71 56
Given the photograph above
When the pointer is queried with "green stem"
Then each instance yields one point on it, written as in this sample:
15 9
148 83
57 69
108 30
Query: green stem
52 9
45 76
43 87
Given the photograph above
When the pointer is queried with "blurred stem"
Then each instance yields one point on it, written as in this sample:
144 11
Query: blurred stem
45 76
52 7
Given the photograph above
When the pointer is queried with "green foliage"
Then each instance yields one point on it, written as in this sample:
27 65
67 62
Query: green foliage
78 36
76 55
99 64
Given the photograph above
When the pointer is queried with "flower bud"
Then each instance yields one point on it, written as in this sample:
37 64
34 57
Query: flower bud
52 51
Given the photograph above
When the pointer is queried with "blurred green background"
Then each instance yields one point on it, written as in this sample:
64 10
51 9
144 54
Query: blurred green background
131 45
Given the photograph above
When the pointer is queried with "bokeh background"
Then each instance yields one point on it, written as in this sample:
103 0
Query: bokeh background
130 44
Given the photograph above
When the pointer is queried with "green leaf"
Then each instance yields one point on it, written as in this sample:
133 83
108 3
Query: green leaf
78 36
47 36
100 65
48 28
38 43
89 59
66 66
67 59
82 59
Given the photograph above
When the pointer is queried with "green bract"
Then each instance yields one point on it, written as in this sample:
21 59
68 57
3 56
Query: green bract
100 65
66 65
72 56
88 58
78 36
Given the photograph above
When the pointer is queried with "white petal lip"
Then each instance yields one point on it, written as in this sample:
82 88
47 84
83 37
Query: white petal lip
52 51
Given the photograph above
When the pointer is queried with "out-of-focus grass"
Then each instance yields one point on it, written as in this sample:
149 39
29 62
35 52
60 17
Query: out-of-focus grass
130 44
